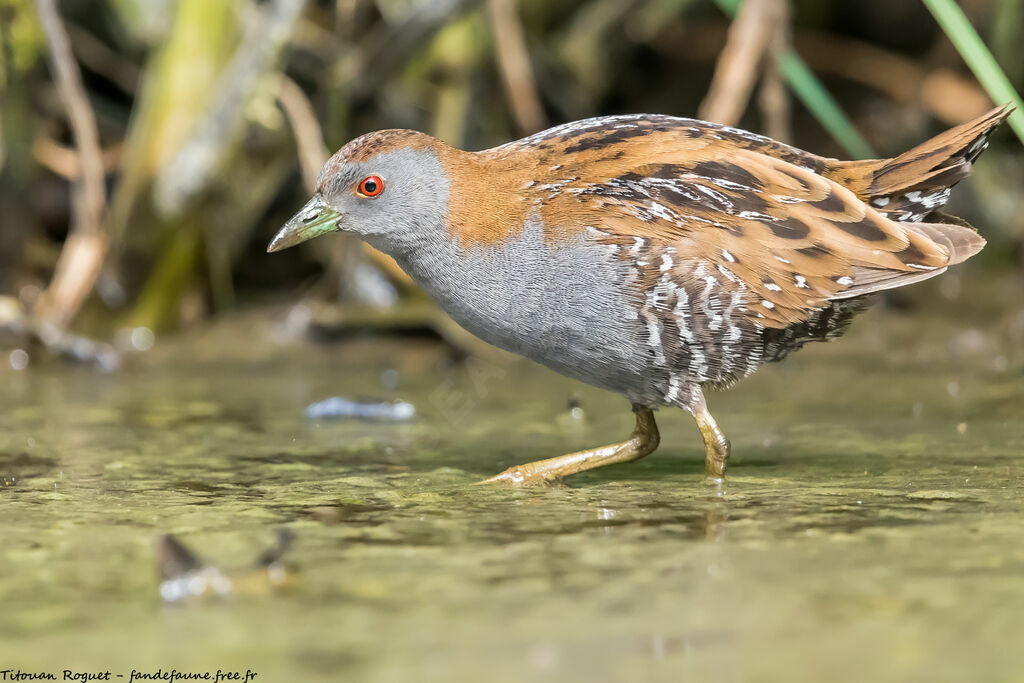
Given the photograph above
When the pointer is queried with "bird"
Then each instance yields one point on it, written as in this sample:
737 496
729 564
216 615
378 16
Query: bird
654 256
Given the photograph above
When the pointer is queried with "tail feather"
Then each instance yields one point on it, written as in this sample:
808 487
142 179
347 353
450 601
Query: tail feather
909 187
962 242
959 242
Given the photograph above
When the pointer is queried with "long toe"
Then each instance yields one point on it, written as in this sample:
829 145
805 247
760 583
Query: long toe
509 476
521 476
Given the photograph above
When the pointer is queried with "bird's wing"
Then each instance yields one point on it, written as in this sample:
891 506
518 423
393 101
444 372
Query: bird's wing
792 239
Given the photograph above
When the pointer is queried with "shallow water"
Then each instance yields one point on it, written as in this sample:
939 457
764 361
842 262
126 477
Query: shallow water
870 529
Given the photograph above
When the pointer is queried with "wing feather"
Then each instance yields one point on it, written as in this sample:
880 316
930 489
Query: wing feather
794 239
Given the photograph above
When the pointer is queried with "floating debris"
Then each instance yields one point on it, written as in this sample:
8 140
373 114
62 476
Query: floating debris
336 406
184 577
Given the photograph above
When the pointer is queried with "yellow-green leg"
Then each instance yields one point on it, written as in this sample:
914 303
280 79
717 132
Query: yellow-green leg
716 446
642 442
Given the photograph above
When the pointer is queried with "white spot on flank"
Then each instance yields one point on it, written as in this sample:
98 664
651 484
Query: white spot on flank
920 267
728 257
801 281
845 280
779 258
662 290
711 311
654 337
880 202
768 304
681 312
666 262
914 196
771 286
673 388
638 244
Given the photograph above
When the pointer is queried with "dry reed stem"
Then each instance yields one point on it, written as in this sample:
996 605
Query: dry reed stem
82 255
737 69
950 96
309 138
66 162
773 97
514 64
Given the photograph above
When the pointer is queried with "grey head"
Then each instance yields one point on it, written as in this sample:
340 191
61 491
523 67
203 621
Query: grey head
388 187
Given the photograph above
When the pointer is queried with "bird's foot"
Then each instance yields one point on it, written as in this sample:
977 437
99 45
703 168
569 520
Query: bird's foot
551 471
524 475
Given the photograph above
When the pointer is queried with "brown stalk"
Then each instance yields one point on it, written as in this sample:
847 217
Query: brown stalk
66 162
514 63
86 245
737 69
948 95
773 97
309 138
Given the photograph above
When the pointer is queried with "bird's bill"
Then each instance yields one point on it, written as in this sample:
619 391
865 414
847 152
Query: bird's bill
316 218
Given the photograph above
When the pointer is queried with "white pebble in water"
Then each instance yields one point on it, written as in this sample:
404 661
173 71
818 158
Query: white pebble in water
18 359
142 339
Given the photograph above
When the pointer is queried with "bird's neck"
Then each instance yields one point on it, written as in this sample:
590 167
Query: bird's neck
491 201
487 199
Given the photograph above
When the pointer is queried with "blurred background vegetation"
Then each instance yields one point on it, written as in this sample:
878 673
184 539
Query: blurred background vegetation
150 148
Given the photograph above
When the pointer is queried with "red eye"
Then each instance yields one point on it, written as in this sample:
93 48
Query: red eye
371 186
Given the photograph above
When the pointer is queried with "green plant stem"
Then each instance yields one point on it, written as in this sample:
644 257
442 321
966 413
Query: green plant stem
971 47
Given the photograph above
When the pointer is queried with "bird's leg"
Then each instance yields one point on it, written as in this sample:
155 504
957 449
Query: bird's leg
716 446
642 442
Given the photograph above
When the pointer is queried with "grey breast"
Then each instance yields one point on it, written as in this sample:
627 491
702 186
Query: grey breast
563 305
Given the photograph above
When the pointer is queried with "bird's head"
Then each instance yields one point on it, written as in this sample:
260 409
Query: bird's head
388 187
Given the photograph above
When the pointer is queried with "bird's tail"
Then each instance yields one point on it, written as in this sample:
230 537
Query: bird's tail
909 187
